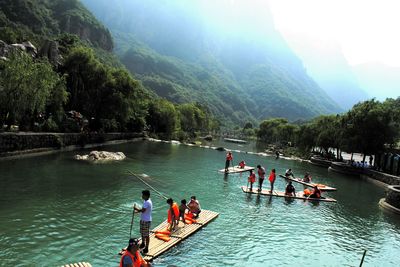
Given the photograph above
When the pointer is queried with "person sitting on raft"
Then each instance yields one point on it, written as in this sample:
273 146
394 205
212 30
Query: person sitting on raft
242 164
229 158
251 179
131 256
194 206
307 178
182 210
173 214
316 193
290 190
289 173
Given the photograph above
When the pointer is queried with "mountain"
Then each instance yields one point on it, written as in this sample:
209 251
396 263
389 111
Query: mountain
40 19
237 65
379 80
326 64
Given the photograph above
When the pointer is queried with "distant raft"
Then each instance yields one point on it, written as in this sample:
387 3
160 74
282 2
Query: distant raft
237 169
299 195
322 187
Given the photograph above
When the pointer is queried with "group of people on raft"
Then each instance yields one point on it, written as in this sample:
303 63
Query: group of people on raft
290 190
187 212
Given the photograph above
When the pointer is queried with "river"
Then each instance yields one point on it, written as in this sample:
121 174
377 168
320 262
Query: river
55 210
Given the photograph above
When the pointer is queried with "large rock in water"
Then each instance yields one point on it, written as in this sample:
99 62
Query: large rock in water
101 156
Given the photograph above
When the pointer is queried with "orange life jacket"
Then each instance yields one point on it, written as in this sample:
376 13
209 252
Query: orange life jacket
272 177
175 209
136 259
252 178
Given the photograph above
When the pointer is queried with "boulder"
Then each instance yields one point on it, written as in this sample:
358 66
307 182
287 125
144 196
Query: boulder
101 156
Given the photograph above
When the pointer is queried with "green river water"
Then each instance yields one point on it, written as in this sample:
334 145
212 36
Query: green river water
55 210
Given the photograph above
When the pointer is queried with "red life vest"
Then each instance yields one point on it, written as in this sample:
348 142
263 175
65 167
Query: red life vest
272 177
229 157
242 164
175 209
136 259
252 178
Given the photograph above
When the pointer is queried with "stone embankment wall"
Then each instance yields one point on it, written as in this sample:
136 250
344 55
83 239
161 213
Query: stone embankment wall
13 142
382 177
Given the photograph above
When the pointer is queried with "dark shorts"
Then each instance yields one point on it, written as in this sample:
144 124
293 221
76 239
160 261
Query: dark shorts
145 228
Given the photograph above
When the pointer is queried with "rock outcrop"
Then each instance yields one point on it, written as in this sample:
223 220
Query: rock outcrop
51 51
101 156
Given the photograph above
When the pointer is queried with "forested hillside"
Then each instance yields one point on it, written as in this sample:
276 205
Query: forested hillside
57 73
240 75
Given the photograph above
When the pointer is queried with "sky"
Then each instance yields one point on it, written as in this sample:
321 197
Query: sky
366 30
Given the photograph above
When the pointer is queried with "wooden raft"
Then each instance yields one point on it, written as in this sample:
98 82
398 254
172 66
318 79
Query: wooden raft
321 187
299 195
157 246
237 169
79 264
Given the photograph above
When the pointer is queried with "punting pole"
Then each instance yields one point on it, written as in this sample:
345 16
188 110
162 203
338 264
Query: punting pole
155 190
362 260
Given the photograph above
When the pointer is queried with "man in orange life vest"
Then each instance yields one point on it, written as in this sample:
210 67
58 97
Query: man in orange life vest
252 180
132 257
229 158
173 214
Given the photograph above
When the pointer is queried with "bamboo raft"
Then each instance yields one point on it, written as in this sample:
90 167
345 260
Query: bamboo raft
79 264
321 187
299 195
182 231
237 169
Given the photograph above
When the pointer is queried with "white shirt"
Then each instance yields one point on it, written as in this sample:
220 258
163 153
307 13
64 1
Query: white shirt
146 216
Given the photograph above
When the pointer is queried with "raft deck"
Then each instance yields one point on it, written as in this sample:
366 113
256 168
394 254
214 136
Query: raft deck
237 169
79 264
299 195
321 187
158 247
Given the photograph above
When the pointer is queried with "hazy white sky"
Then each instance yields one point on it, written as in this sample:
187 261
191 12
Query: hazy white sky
367 30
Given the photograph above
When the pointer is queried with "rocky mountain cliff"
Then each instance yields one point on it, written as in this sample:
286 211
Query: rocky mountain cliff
21 20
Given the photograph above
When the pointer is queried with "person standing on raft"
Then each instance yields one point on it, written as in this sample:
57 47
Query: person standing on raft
261 177
132 257
229 158
251 179
145 220
272 177
173 214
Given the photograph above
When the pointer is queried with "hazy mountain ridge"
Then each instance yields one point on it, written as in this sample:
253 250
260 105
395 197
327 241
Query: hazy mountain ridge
226 62
378 79
326 64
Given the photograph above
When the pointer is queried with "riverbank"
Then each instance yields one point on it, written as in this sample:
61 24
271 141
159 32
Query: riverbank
26 144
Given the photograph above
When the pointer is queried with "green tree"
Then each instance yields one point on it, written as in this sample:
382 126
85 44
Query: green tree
368 127
162 118
27 87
